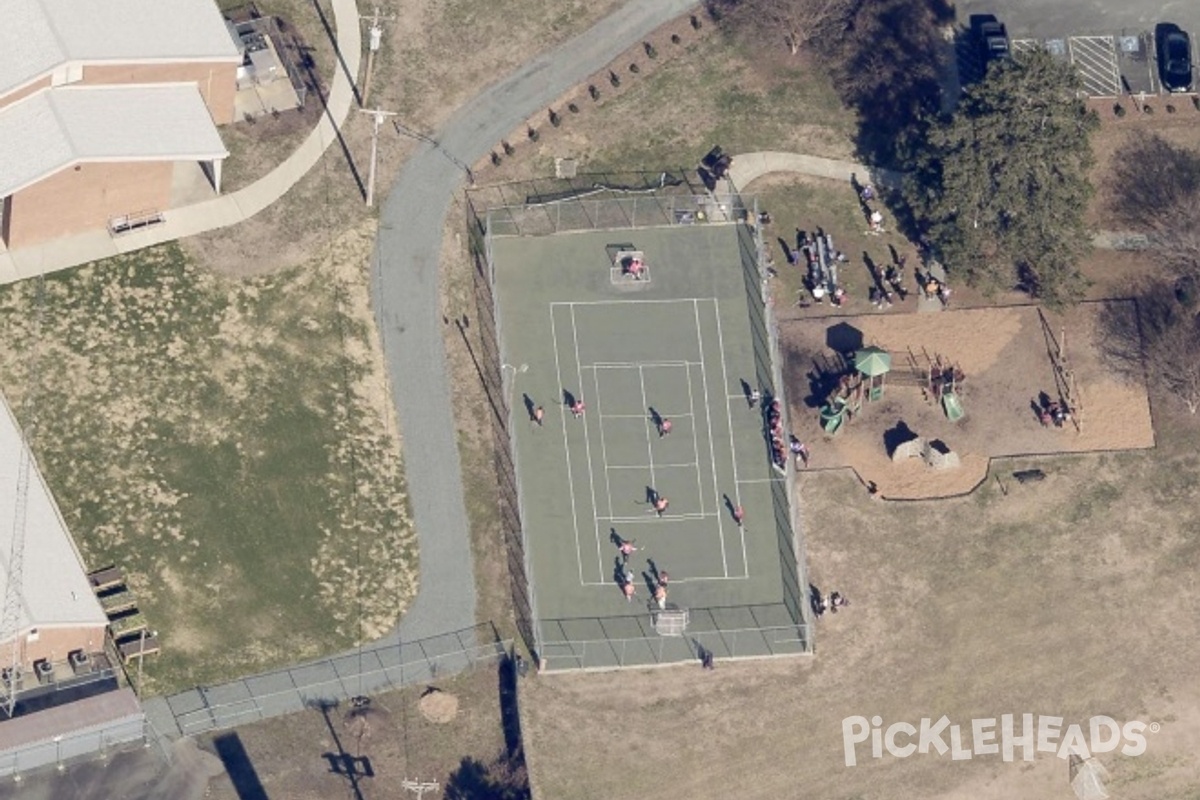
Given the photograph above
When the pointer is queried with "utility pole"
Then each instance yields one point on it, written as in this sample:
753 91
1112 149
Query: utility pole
379 116
373 43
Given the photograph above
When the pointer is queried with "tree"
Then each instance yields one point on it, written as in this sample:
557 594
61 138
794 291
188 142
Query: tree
1000 187
1155 188
1161 343
794 22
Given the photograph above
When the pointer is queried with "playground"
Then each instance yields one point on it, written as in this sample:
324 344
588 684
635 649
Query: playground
629 359
918 404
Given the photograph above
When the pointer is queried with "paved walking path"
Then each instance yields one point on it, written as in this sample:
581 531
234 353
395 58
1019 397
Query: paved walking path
405 293
227 209
438 627
751 166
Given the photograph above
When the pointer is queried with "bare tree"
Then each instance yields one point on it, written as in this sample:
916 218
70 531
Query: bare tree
1150 177
796 22
1160 343
1177 238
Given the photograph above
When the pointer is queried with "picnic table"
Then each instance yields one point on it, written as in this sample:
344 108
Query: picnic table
107 578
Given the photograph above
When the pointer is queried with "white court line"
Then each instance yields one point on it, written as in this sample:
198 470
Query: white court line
638 364
660 466
650 516
695 443
646 417
620 302
729 416
762 480
642 416
675 580
711 452
603 446
567 450
587 442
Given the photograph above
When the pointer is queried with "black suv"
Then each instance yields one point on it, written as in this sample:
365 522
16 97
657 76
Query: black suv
992 38
1174 57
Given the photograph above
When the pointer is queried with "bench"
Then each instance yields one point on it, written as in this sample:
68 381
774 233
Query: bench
138 647
107 578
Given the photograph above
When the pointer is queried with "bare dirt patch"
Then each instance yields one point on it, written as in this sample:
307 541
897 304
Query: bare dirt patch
1003 352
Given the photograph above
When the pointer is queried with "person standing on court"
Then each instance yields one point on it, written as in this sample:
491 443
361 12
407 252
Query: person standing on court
539 416
660 505
664 428
738 515
627 549
578 407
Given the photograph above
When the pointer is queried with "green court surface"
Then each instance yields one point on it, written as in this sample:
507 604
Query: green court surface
676 345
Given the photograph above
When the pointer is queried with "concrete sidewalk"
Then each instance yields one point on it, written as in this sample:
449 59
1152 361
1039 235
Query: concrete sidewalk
222 211
749 167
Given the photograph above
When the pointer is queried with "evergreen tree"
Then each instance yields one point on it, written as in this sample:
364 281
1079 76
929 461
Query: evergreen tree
1001 186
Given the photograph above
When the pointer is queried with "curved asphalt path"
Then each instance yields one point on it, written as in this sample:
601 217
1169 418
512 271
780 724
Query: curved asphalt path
405 293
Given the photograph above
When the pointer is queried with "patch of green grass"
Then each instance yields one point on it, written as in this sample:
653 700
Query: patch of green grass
221 443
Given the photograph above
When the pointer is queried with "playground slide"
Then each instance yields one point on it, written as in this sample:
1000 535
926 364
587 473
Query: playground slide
954 409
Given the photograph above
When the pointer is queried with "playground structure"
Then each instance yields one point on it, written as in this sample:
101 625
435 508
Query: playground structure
1070 398
939 380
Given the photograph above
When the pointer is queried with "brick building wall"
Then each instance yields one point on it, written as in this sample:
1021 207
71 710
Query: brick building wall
217 82
84 198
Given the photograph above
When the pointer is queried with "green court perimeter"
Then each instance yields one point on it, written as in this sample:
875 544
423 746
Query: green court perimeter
678 344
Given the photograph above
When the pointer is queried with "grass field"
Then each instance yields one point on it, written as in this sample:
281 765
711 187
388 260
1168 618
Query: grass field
1071 597
678 345
229 444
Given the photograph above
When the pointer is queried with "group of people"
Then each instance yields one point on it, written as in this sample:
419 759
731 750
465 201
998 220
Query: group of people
657 578
1052 412
831 604
817 253
936 289
866 196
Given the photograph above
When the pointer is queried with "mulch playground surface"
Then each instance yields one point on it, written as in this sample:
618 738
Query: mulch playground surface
1004 354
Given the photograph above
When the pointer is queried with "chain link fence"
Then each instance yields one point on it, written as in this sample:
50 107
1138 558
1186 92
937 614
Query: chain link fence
376 668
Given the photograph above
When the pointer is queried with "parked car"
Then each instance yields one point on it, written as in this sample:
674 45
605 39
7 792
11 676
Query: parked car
993 41
1174 58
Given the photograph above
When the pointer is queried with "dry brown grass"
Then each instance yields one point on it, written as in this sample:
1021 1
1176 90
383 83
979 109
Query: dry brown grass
435 56
1072 597
289 754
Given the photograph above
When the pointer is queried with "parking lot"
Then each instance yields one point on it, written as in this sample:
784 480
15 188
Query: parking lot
1113 49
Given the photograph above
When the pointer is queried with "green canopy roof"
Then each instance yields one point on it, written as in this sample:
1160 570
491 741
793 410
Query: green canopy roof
872 361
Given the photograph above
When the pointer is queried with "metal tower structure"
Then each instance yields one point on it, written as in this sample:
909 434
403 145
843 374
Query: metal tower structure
14 597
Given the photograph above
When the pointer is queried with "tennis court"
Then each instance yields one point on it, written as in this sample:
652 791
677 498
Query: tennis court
682 342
